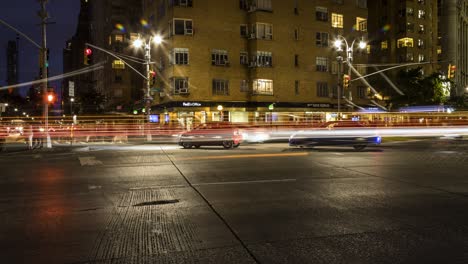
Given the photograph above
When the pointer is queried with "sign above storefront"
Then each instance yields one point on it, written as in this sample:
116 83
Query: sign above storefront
188 104
319 105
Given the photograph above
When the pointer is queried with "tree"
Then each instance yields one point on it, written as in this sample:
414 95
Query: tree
419 89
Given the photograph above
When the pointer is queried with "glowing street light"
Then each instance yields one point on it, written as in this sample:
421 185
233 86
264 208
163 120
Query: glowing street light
157 39
338 43
138 43
146 44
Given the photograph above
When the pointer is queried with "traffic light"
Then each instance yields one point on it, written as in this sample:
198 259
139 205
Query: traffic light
152 78
88 56
50 98
451 71
346 79
47 58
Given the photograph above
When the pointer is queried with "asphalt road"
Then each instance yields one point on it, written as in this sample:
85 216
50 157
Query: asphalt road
266 203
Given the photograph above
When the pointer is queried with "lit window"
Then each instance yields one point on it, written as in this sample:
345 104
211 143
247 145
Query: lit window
118 64
421 29
119 38
384 45
361 24
420 43
421 58
337 20
421 14
262 87
405 43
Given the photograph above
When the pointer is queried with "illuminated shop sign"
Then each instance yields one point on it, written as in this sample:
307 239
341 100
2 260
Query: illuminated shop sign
319 105
187 104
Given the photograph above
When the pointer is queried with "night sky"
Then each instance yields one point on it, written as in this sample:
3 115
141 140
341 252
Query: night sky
22 14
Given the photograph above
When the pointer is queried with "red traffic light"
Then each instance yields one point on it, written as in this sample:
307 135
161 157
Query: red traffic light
88 51
50 98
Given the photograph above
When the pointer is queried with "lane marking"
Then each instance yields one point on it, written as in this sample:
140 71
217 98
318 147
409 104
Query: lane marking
244 182
244 156
89 161
158 187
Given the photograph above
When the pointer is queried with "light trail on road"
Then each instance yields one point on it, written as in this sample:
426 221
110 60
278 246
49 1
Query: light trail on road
245 156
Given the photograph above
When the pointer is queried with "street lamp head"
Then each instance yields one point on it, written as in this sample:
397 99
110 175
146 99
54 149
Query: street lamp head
138 43
338 43
157 39
72 99
6 104
362 44
220 108
16 109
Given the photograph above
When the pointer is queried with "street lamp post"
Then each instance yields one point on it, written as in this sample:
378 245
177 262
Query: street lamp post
138 43
348 59
147 96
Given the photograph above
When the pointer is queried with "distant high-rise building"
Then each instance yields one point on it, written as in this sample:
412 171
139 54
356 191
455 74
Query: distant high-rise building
253 59
404 32
453 16
108 25
12 63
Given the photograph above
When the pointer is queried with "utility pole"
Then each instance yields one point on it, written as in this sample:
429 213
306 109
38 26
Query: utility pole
44 16
338 86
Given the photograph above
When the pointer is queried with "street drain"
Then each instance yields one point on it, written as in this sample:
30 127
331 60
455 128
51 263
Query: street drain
160 202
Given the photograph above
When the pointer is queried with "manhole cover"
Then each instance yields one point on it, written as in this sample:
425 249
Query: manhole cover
160 202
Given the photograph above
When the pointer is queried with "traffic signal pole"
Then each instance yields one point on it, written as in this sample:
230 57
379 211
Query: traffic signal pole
44 16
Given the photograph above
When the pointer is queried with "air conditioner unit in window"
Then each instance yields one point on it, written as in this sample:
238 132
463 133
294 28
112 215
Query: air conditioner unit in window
183 91
252 36
162 94
189 31
253 64
252 8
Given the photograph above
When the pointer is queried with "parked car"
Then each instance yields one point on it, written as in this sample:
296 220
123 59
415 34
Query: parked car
337 133
212 134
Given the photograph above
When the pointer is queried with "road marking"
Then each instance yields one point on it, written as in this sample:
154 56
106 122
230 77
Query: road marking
89 161
158 187
244 156
244 182
339 154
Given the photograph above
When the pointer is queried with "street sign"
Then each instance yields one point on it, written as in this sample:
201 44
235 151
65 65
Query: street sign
71 88
155 89
271 107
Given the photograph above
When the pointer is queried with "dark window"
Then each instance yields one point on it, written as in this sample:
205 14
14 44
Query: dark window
296 60
322 89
